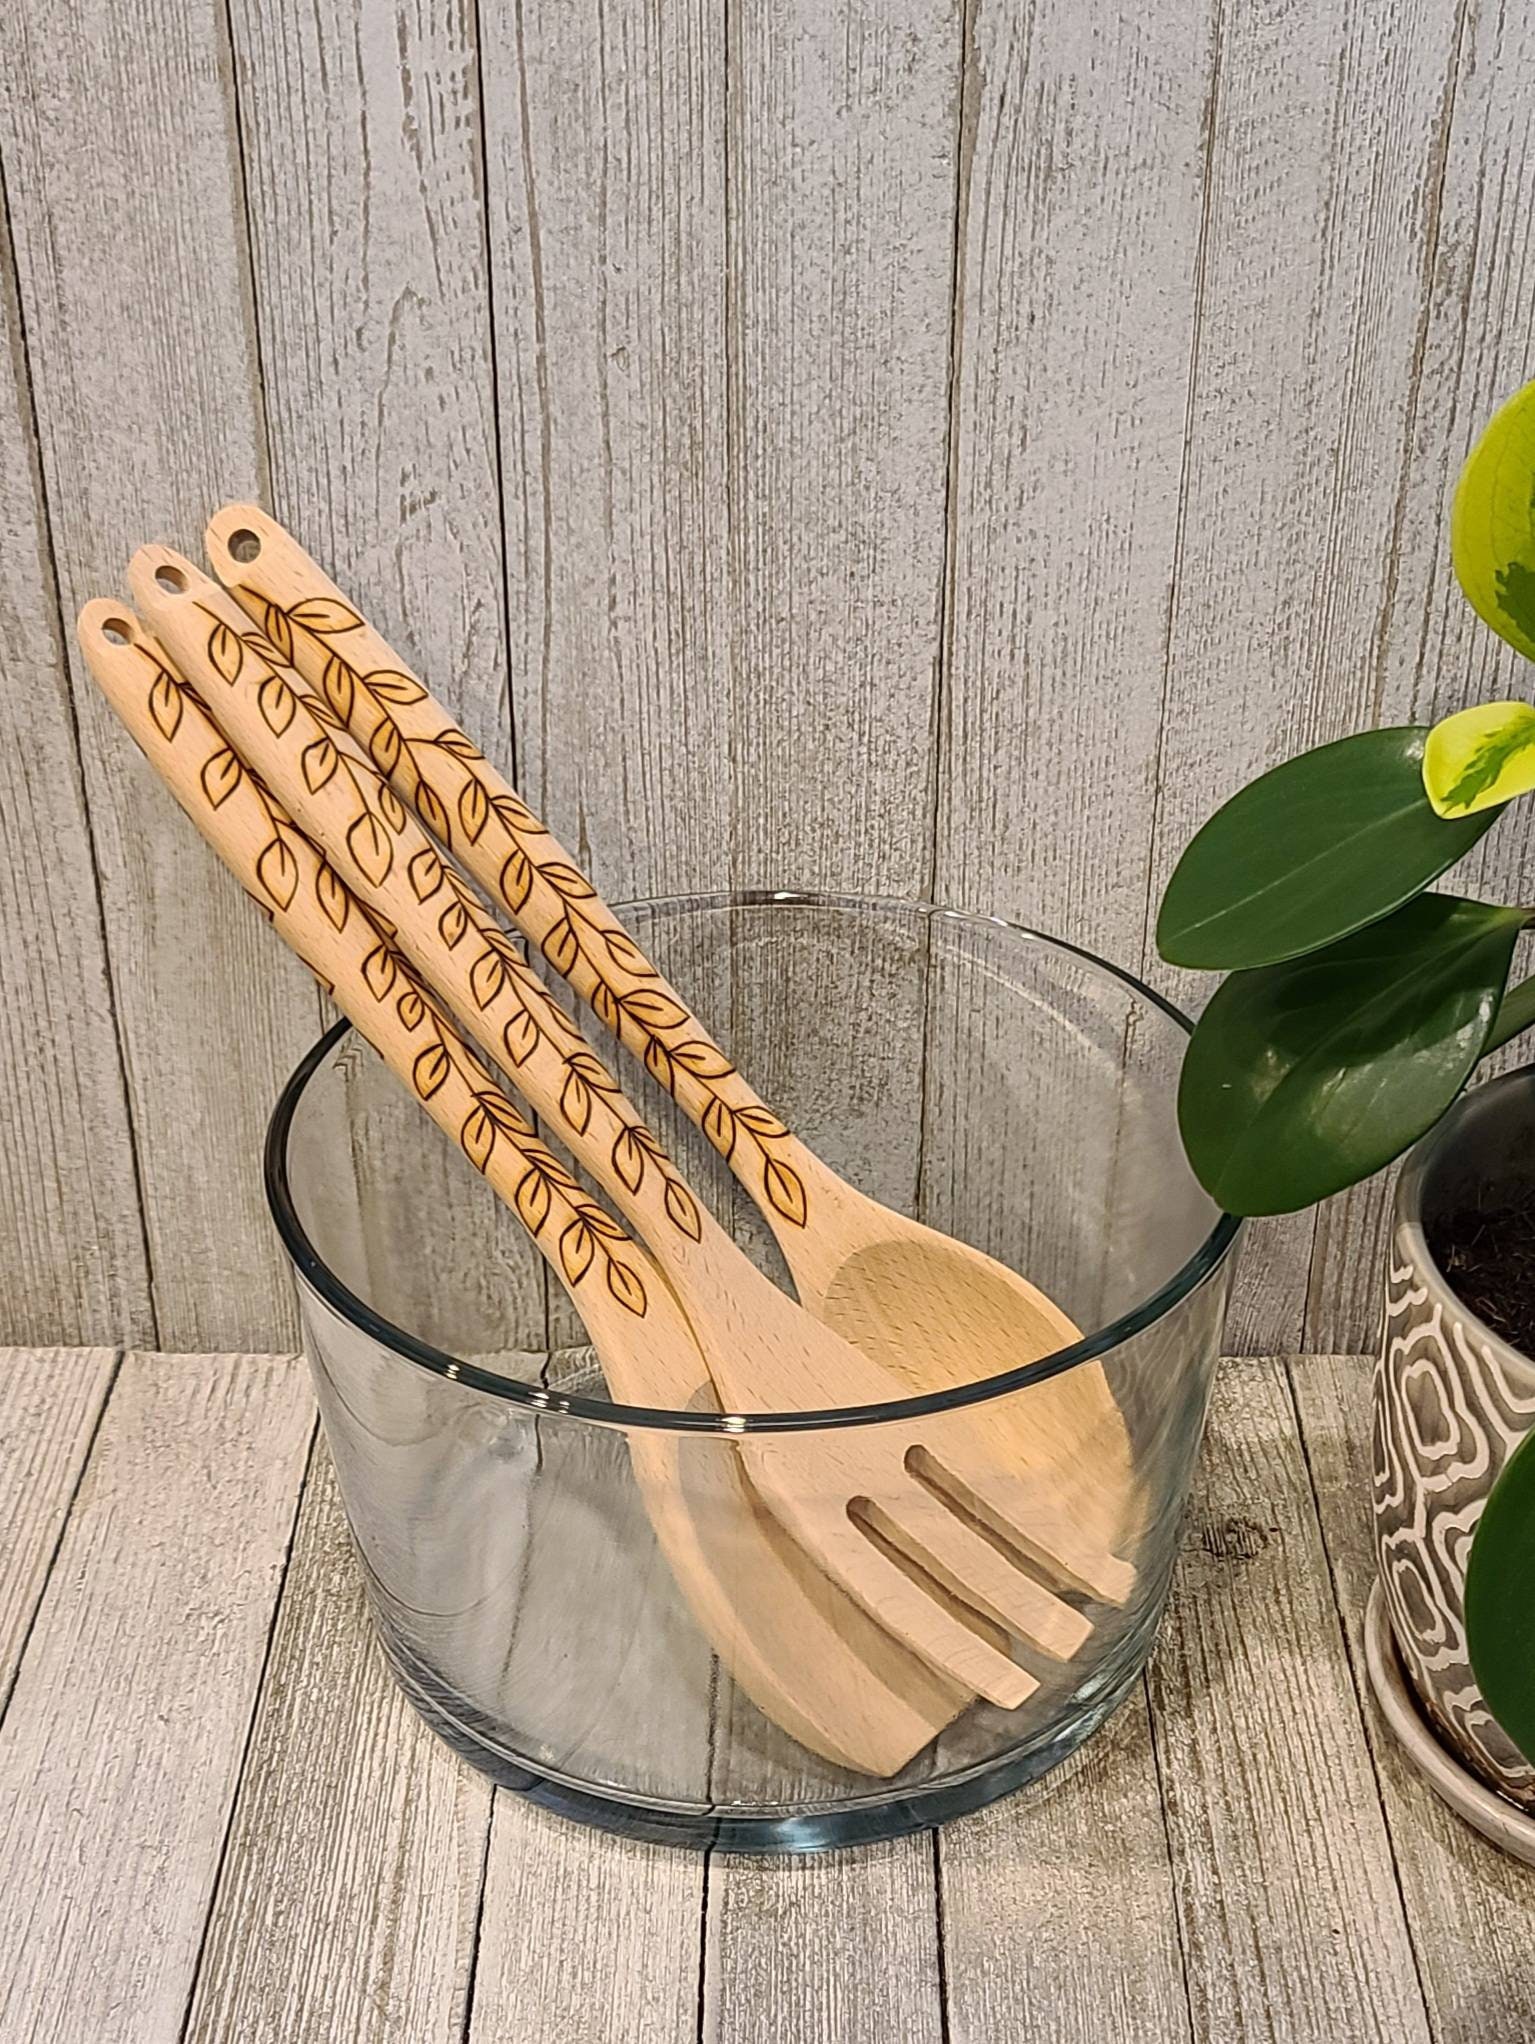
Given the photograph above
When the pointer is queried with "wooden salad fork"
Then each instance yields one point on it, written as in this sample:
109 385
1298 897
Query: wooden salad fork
805 1652
849 1496
931 1310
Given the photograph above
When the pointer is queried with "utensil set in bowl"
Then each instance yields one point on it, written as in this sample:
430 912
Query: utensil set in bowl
862 1584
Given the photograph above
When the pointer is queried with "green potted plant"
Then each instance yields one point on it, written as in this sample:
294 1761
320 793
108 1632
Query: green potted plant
1358 1002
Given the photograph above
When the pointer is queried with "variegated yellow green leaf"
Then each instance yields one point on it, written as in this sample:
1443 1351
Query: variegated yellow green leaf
1480 758
1492 526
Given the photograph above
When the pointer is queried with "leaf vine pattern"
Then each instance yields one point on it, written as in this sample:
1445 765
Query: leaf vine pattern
584 932
589 1239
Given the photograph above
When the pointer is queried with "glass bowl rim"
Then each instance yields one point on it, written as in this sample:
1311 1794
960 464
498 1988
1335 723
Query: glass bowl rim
315 1272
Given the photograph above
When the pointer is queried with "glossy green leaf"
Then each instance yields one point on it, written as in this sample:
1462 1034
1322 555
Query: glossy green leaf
1305 1077
1492 524
1500 1599
1315 849
1480 758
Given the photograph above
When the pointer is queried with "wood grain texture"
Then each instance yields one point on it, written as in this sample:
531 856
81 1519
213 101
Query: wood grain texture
1327 126
117 136
73 1260
826 1949
584 1937
842 149
1291 1921
121 1750
605 217
50 1401
1435 654
360 137
1017 1882
1468 1905
350 1889
1080 211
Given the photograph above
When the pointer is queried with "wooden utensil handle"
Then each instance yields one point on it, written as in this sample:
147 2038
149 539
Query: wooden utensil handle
298 747
318 917
474 812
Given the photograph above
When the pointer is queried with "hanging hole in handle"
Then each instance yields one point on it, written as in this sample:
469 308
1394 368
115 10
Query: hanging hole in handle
118 631
244 544
171 580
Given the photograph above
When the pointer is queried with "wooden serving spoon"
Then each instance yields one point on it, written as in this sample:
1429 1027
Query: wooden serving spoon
808 1656
917 1486
933 1311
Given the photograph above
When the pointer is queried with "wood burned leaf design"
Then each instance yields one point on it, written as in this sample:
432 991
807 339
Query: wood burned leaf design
561 945
626 954
262 647
277 704
452 923
577 1248
506 1117
429 1070
720 1127
392 687
576 1102
323 614
487 976
516 879
322 713
332 896
339 685
473 810
682 1210
274 620
520 1037
431 812
785 1190
478 1138
379 972
658 1062
225 652
605 1005
651 1010
602 1223
411 1009
628 1159
626 1287
593 1071
319 761
391 808
532 1199
277 870
762 1122
424 873
369 845
384 745
222 774
703 1060
165 703
567 882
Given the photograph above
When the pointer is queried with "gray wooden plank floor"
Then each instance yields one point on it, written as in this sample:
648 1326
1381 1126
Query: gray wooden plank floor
218 1820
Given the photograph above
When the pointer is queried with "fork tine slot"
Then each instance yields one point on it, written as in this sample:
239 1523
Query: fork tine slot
1022 1512
823 1525
966 1563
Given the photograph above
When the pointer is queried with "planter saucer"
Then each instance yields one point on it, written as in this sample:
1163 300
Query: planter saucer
1486 1811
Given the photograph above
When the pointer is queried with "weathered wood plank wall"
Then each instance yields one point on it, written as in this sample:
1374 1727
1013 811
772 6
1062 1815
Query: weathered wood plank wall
939 448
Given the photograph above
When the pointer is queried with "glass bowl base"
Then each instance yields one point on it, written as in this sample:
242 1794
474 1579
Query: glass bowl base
882 1815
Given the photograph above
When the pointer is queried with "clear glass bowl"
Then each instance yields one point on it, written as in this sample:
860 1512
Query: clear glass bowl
1001 1086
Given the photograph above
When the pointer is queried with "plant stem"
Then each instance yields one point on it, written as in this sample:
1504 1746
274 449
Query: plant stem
1516 1012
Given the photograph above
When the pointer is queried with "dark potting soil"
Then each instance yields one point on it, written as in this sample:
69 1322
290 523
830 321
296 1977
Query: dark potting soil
1488 1256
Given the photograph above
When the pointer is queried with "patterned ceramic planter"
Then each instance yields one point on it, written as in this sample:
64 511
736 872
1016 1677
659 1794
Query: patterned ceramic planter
1452 1401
